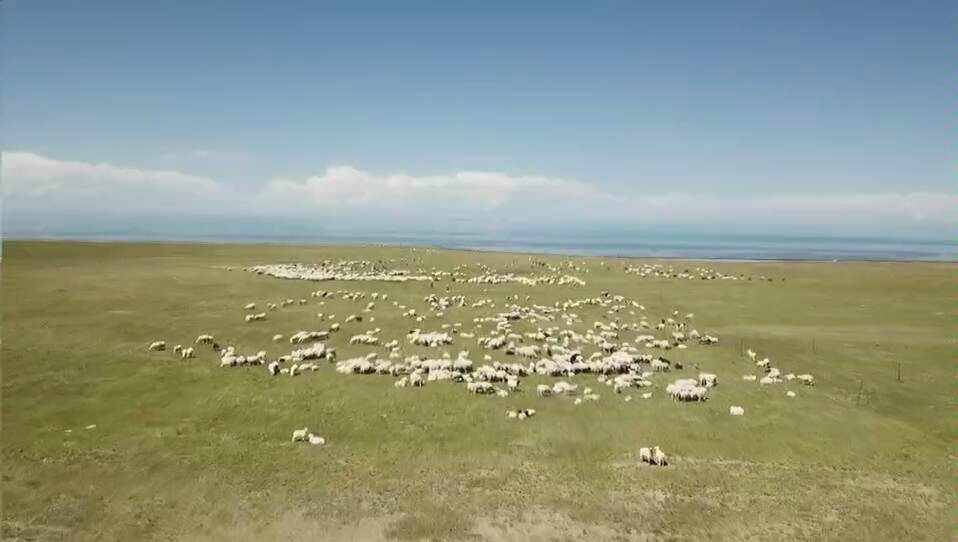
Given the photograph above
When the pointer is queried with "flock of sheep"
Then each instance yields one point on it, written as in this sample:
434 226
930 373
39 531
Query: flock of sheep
552 346
701 273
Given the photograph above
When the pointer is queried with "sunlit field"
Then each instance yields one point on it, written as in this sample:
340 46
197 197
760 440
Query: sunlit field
105 440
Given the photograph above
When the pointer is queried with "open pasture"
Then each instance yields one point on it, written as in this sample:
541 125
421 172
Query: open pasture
186 449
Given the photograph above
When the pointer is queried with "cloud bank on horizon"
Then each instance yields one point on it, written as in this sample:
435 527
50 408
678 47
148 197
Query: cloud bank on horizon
33 183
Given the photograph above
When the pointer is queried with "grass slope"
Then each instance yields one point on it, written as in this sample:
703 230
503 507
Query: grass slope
185 450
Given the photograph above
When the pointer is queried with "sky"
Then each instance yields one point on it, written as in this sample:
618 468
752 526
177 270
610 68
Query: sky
773 114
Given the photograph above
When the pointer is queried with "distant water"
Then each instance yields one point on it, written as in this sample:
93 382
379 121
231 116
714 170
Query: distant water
605 241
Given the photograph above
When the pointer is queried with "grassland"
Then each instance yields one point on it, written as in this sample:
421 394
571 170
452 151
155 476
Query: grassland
186 450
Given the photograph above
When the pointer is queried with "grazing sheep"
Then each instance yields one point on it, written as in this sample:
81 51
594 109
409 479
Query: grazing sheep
300 434
543 390
157 346
178 349
736 410
278 337
658 457
273 368
187 352
204 339
790 393
250 306
645 455
708 380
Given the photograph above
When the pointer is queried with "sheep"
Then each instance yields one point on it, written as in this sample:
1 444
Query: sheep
204 339
157 346
749 378
250 306
334 327
543 390
790 393
658 457
708 380
736 410
187 352
273 368
416 380
315 439
645 455
178 349
806 379
647 395
300 434
278 337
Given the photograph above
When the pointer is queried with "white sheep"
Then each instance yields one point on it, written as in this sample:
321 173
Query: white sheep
736 410
157 346
250 306
300 434
645 455
278 337
315 439
658 457
187 352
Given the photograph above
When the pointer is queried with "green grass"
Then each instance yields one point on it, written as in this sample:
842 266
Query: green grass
185 450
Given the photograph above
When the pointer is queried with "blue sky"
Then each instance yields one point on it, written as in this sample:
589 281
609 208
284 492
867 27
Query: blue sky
772 112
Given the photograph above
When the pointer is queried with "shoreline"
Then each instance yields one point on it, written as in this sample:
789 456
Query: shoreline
481 250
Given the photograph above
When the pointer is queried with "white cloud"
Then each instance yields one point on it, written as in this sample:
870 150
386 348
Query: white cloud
32 181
